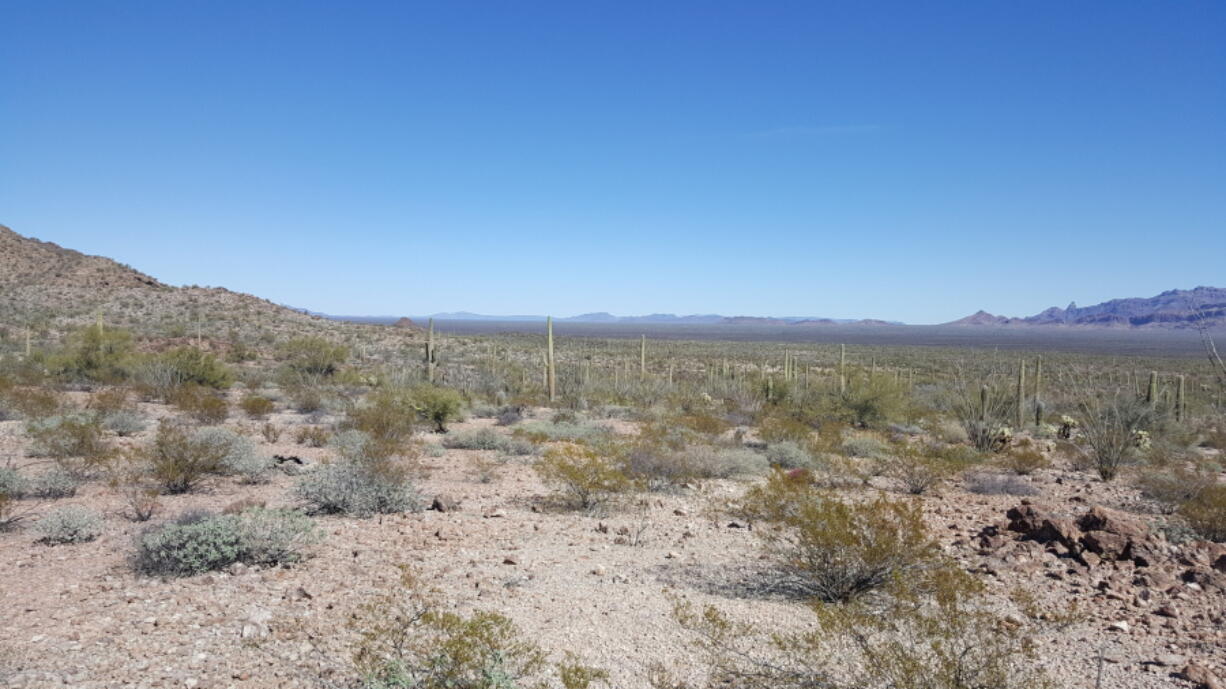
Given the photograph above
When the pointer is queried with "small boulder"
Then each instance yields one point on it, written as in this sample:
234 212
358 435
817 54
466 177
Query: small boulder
444 503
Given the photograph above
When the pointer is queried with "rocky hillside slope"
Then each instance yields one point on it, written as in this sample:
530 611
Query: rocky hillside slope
1172 309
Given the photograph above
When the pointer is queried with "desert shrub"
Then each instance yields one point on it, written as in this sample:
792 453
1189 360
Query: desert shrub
984 483
437 405
239 457
410 638
866 446
1206 513
917 469
587 479
985 413
9 514
34 403
1024 460
703 423
12 483
1111 425
306 399
191 366
312 436
313 356
139 492
74 441
388 417
361 483
778 429
53 484
726 462
789 455
271 433
179 460
70 524
95 353
480 439
547 431
275 537
110 400
947 638
840 551
200 403
872 402
509 415
1174 486
433 450
256 406
124 423
202 542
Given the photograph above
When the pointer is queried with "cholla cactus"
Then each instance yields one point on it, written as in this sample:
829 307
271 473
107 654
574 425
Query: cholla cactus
1141 440
1067 425
1002 437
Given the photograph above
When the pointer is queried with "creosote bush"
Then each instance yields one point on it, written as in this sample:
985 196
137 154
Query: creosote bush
1206 513
70 524
587 478
1110 424
200 403
75 441
202 542
256 406
178 459
409 639
437 405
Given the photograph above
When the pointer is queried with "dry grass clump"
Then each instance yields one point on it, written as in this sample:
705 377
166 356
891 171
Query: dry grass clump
256 406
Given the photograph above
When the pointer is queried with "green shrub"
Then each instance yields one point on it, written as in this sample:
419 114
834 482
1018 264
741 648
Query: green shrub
202 542
54 484
1206 513
12 483
200 403
179 460
95 353
75 441
124 423
240 456
191 366
70 524
1024 460
789 455
866 446
256 407
34 403
361 483
547 431
479 439
587 479
387 417
437 405
313 356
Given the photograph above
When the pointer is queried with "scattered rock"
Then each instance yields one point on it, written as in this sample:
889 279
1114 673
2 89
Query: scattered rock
444 503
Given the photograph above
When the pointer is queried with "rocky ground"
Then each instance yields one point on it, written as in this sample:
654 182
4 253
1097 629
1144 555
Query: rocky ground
1110 602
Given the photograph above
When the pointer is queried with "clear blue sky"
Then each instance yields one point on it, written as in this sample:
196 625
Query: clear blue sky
904 160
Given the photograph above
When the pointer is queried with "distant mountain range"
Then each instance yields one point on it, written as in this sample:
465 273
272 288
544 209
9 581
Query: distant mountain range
659 318
1173 309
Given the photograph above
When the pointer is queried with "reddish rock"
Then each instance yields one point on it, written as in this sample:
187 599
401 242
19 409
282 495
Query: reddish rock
1103 519
1201 676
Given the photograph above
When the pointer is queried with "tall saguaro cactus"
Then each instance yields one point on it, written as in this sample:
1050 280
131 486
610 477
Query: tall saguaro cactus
430 357
842 369
1021 393
550 369
1151 392
643 357
1038 391
1180 400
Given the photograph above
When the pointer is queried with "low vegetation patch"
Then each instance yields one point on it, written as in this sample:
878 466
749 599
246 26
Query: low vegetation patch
202 542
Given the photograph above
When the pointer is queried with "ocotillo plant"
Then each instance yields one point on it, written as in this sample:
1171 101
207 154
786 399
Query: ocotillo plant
550 370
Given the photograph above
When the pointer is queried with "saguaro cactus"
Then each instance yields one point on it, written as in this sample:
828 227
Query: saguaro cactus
1038 391
1151 392
643 358
550 369
1021 393
842 369
1180 400
430 358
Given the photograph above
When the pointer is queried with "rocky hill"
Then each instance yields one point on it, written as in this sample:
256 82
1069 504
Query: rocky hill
1171 309
51 289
